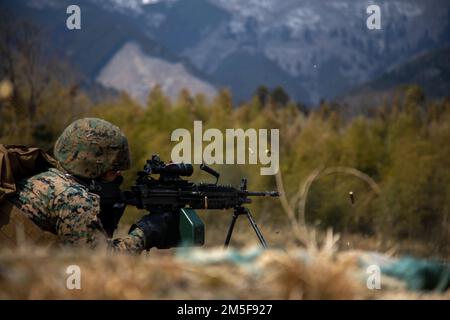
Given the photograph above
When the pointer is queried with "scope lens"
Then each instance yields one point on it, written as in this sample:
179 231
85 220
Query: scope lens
182 169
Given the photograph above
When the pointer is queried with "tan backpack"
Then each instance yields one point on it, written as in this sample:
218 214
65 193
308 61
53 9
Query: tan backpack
18 162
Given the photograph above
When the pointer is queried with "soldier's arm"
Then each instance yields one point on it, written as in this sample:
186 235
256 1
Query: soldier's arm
76 213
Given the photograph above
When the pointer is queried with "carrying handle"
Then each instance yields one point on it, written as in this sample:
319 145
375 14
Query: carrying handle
211 171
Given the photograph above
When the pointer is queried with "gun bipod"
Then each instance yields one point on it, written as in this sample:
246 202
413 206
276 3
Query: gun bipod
240 210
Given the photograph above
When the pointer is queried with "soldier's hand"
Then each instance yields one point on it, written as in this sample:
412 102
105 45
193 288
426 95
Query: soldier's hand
155 228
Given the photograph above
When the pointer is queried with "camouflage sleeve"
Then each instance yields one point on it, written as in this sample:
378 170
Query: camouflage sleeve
77 223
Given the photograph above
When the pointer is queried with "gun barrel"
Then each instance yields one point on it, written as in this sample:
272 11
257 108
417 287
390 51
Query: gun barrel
263 193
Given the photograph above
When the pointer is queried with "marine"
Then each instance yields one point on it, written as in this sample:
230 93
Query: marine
65 202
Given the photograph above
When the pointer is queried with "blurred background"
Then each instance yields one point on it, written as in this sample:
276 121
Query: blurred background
359 110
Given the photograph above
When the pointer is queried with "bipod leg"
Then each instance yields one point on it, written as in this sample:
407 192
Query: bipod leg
255 227
231 227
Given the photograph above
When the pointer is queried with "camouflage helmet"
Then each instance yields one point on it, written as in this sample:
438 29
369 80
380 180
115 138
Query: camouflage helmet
90 147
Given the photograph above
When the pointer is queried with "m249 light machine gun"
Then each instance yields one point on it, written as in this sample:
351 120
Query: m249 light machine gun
171 193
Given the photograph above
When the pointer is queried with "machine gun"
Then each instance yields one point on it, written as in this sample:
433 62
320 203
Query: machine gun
171 193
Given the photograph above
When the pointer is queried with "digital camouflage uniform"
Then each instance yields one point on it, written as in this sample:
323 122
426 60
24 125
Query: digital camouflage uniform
57 203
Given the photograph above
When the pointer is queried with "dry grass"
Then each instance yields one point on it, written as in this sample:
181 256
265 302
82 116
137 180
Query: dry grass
312 273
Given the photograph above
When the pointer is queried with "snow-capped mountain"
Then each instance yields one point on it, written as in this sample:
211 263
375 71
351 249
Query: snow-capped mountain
313 48
111 48
132 70
316 49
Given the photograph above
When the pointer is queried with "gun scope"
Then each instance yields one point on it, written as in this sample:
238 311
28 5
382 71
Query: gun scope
156 166
179 169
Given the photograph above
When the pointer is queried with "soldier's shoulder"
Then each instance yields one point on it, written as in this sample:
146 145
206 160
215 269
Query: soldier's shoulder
56 182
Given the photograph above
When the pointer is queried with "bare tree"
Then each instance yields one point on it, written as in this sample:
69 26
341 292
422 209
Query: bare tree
22 62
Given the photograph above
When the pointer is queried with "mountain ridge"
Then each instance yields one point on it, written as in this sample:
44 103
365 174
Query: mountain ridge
430 71
314 49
